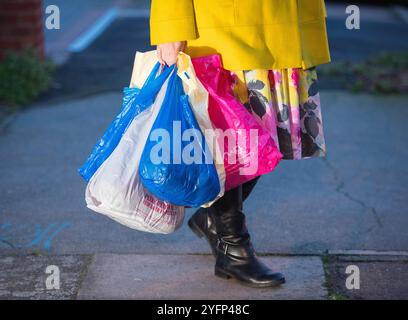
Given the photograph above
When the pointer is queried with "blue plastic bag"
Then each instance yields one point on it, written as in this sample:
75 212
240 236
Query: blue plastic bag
134 102
163 168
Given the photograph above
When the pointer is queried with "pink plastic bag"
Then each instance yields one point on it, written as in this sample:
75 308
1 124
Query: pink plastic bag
249 150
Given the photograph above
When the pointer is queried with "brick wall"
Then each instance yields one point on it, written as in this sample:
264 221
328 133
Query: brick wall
21 26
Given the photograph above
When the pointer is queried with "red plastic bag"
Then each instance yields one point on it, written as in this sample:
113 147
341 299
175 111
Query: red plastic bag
249 150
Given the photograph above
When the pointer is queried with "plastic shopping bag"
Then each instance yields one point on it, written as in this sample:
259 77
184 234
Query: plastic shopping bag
248 150
136 99
115 189
176 164
198 98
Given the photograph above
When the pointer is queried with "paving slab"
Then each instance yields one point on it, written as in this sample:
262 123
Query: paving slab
381 277
113 276
25 276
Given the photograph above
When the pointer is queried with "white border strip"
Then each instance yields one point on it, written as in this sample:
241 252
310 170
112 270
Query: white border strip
85 39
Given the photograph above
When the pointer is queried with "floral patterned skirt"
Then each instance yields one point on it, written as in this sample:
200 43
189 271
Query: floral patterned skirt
287 103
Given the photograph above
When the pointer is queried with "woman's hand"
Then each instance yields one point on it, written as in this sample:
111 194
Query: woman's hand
167 52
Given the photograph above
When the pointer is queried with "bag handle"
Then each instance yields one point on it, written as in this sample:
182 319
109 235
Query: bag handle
154 83
153 74
185 71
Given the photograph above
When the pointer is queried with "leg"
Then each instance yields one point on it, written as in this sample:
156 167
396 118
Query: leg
202 221
247 188
235 255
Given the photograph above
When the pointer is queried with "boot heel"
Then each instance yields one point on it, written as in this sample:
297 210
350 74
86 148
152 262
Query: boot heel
195 228
221 274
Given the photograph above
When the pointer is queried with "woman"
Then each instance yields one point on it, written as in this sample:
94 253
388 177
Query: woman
272 46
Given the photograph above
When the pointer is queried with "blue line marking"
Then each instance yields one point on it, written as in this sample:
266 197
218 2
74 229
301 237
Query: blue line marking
85 39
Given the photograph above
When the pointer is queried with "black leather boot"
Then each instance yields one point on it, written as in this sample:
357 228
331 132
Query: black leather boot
247 188
202 224
202 221
236 257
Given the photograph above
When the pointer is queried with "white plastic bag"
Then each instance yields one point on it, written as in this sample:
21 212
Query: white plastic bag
115 189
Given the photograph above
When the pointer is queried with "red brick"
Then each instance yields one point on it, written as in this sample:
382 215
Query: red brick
30 18
36 11
29 28
8 43
10 7
22 25
19 6
4 47
9 19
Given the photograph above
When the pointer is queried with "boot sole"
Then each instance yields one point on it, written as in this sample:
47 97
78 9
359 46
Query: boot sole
199 233
226 275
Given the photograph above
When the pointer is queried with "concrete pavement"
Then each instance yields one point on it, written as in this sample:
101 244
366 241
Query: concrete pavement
186 276
154 277
381 276
25 276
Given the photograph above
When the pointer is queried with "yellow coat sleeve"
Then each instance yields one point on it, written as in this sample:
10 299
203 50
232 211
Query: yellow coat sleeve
172 20
324 8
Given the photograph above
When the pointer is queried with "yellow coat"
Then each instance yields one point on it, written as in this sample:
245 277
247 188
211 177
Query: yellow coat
248 34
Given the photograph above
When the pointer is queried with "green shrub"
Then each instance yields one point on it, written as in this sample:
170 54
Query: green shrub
23 76
385 73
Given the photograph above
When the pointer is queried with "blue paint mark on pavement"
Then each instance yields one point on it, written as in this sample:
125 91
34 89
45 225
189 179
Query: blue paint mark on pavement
28 235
